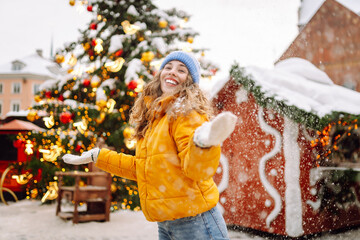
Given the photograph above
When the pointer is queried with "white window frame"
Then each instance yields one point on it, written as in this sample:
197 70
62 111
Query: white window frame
36 85
13 87
13 103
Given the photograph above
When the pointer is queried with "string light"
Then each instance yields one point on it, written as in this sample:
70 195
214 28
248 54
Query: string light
52 192
81 126
23 178
52 154
98 47
49 121
29 147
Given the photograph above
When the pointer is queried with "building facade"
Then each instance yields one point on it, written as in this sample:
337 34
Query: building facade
21 79
329 38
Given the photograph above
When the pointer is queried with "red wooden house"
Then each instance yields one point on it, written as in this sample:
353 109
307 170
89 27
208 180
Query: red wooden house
268 178
12 150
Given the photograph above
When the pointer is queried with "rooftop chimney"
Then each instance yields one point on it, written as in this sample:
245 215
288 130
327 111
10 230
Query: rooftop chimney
39 52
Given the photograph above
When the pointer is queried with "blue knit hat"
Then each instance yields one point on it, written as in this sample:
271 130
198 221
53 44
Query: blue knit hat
188 59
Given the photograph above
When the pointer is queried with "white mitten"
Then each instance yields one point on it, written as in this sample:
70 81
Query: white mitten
86 157
216 131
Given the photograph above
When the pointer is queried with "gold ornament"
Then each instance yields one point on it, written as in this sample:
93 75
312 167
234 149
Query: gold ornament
129 28
37 98
163 24
23 178
116 65
113 188
94 83
86 46
141 38
72 2
49 121
190 39
34 193
52 192
101 118
102 103
32 116
128 132
59 58
147 56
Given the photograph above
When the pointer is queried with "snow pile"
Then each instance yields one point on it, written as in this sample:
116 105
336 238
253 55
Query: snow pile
29 219
116 43
298 84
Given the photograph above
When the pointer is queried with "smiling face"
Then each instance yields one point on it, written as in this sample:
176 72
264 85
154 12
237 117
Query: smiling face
173 75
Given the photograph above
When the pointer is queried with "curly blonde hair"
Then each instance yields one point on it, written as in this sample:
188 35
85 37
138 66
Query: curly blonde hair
186 98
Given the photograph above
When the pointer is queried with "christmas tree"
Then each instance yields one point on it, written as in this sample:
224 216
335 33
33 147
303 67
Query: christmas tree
105 70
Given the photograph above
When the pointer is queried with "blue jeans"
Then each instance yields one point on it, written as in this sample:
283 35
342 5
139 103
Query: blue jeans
209 225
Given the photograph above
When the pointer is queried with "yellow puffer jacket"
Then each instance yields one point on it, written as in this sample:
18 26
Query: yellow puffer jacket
174 176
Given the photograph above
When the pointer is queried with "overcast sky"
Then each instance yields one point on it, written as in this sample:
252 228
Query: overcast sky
251 32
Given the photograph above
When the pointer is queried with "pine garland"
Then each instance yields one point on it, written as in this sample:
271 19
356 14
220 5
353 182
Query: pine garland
308 119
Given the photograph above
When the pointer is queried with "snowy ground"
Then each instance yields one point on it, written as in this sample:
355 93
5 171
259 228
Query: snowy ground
28 220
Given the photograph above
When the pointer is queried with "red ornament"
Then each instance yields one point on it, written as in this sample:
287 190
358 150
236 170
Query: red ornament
78 148
86 82
214 70
172 27
132 85
61 98
91 52
119 53
89 8
17 143
93 26
93 42
39 174
65 117
48 94
112 92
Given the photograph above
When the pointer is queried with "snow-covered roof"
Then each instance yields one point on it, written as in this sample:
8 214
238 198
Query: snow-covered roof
32 64
20 125
298 89
309 7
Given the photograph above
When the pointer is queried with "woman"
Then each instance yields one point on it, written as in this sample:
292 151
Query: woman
177 153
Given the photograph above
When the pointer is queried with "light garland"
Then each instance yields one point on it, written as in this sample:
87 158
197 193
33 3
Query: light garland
98 47
81 126
49 121
29 147
23 178
52 192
